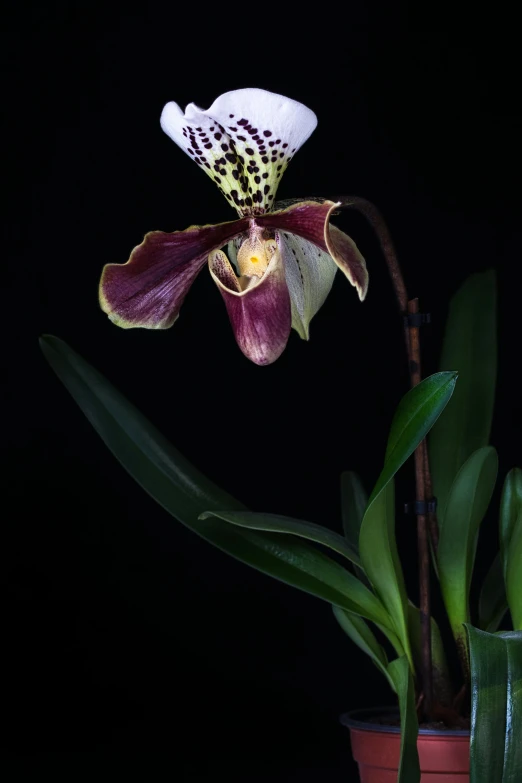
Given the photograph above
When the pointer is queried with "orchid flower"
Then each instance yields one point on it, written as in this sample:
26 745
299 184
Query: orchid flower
282 258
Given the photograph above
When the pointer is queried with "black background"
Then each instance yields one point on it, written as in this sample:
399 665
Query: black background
134 649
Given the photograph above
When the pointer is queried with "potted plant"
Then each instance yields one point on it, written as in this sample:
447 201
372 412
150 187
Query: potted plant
279 267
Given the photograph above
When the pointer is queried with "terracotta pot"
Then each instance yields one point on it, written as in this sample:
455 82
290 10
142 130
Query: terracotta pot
443 755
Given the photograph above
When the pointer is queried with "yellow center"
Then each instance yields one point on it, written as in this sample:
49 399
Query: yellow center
252 257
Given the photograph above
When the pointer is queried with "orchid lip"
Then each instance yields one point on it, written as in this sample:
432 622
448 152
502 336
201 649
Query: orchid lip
260 314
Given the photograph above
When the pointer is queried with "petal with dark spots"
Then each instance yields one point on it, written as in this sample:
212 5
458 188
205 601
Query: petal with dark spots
149 289
260 314
311 221
244 142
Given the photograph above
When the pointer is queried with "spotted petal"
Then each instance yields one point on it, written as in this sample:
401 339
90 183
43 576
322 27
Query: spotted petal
244 142
260 314
149 289
310 273
311 221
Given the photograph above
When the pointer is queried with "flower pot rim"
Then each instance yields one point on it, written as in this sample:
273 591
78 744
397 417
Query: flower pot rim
362 719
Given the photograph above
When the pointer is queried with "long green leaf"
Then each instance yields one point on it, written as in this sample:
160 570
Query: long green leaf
442 689
359 632
355 593
496 706
277 523
492 600
381 562
353 505
513 745
416 413
467 504
510 508
510 530
185 493
137 444
470 347
409 768
514 574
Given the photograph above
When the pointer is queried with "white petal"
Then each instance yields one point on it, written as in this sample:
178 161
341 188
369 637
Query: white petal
244 141
310 273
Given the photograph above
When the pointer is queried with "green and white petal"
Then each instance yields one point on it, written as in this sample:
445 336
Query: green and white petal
244 142
232 251
310 220
310 273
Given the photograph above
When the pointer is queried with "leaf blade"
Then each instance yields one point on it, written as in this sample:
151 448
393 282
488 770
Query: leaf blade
277 523
185 493
496 707
514 574
470 346
416 413
409 767
442 690
358 631
467 504
353 505
492 600
381 562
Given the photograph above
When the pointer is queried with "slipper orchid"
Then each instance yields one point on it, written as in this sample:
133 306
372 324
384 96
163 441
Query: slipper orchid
282 258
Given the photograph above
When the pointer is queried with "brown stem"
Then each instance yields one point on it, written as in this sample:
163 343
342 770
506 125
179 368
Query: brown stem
374 217
422 469
422 528
433 524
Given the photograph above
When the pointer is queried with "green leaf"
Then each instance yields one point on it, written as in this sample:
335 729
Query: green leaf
510 528
416 413
496 706
470 347
185 493
142 450
381 561
514 574
409 768
510 508
277 523
492 600
359 632
467 504
356 596
442 689
353 504
510 505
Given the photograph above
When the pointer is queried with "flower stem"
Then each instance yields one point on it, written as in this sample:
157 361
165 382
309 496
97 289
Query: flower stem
422 528
422 468
376 220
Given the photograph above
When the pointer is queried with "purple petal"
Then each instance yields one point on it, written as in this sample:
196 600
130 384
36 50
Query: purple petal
311 220
149 289
260 315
